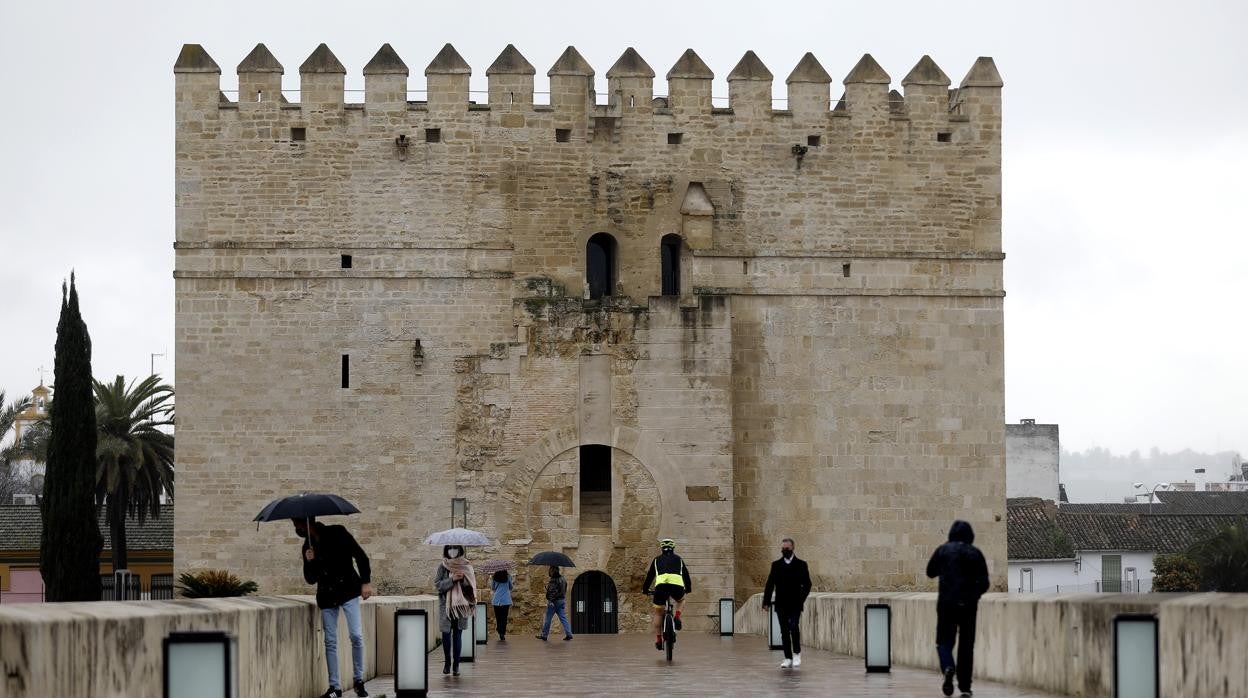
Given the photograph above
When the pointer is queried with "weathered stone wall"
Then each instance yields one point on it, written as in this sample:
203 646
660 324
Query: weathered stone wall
113 650
864 426
1061 643
830 370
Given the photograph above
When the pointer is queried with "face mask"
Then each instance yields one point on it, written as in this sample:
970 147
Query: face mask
785 553
452 553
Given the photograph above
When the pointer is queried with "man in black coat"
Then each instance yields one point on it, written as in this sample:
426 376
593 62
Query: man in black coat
963 579
328 554
790 581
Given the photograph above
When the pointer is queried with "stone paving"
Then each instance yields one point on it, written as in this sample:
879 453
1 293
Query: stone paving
704 665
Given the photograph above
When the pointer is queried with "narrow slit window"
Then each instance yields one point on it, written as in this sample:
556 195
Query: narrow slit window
433 135
813 141
595 481
346 370
600 265
675 138
346 261
298 133
944 137
670 261
563 135
845 269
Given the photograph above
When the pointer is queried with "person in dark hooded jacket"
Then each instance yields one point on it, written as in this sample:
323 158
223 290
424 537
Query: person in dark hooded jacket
963 579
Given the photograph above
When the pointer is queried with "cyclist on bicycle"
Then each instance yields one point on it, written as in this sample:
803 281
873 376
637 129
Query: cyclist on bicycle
670 579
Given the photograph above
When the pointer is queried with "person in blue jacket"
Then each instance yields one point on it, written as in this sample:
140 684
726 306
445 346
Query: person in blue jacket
501 583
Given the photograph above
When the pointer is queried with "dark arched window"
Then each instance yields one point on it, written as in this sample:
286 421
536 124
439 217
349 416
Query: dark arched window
670 261
600 265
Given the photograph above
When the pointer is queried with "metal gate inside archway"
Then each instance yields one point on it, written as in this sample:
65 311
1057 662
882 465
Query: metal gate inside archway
595 606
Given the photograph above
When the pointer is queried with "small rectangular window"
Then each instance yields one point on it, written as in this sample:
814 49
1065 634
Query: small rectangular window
346 261
813 141
845 269
346 370
563 135
675 138
944 137
433 135
298 133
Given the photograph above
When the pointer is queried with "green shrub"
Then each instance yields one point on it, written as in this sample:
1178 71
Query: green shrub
213 584
1175 573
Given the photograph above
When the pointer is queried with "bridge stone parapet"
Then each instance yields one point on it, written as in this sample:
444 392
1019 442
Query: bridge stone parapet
106 649
1061 643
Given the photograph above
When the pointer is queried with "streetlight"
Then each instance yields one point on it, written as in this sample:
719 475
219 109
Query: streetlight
1153 493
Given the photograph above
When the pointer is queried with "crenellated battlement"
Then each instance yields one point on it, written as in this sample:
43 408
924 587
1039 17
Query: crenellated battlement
866 95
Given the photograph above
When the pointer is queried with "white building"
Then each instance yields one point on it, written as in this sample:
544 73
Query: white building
1107 547
1032 454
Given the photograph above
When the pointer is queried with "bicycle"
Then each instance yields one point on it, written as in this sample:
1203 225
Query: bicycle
669 628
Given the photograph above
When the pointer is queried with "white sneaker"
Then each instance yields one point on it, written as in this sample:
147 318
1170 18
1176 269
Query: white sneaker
786 664
797 660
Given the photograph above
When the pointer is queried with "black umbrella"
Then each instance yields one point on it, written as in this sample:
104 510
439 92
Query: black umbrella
552 559
305 506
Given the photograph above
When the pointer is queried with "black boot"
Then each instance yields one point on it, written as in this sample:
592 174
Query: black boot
446 667
360 691
947 687
455 669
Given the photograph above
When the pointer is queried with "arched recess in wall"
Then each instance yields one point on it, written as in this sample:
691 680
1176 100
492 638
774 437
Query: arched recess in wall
600 265
513 515
669 263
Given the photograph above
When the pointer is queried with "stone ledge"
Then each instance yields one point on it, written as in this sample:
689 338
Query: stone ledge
1056 642
114 648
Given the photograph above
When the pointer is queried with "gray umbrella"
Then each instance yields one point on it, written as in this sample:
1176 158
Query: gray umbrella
457 536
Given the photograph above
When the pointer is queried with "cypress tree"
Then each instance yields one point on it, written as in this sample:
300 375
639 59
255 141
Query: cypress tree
69 552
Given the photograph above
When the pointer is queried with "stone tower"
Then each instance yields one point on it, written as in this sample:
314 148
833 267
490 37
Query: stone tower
591 321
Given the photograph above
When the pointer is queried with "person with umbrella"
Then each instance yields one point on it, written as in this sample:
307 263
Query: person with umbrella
338 566
456 583
556 592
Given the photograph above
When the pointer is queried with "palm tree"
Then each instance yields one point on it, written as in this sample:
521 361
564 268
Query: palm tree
13 452
135 457
1223 558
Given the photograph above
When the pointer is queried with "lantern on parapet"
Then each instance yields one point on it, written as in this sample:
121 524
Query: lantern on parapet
1137 673
200 665
411 652
479 626
877 626
726 607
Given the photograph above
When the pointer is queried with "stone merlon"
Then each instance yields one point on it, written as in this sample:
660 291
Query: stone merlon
322 60
690 66
809 70
630 65
260 60
867 71
194 59
510 62
448 62
750 67
571 63
926 72
983 74
386 62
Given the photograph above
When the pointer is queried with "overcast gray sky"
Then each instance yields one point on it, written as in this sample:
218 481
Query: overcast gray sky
1125 143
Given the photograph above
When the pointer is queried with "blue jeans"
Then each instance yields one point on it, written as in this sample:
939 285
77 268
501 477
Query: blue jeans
557 607
329 622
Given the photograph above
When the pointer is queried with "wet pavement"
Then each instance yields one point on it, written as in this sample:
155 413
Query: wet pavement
704 665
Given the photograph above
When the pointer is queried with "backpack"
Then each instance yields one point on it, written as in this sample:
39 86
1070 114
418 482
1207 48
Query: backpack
554 589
